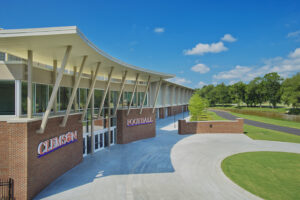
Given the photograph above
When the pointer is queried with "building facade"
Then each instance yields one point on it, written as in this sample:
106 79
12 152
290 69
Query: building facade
62 98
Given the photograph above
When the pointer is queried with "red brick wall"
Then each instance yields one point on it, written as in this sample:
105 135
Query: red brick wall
4 145
174 110
161 113
210 127
43 170
99 122
126 134
30 173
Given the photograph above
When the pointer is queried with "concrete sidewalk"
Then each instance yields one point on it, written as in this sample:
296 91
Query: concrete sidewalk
169 166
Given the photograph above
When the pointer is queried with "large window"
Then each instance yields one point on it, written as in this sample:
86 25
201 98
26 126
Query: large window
64 96
7 100
2 56
41 98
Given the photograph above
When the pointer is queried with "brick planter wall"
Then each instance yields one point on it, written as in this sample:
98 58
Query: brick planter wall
30 173
235 126
126 134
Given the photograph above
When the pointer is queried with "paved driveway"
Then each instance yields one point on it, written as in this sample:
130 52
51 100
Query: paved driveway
229 116
168 166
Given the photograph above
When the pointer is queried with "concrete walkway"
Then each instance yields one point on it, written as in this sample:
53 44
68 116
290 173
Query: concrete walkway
169 166
229 116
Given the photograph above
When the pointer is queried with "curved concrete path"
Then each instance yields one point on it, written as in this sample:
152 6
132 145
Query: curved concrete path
229 116
169 167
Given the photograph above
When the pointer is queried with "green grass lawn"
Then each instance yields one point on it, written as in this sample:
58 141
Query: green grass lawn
268 109
257 133
269 120
270 175
214 116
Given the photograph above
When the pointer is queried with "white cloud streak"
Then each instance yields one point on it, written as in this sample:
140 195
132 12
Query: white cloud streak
159 30
201 68
228 38
283 66
202 48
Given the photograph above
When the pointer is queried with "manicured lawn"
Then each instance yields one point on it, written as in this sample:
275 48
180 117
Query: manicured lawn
270 175
269 120
209 116
257 133
277 110
214 116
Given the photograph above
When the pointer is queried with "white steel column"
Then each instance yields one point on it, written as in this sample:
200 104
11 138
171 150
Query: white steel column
29 83
171 95
145 95
55 89
54 80
71 100
92 118
105 92
121 91
133 93
74 81
156 95
18 98
91 91
108 117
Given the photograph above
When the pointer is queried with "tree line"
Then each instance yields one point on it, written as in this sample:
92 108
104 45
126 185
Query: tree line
271 88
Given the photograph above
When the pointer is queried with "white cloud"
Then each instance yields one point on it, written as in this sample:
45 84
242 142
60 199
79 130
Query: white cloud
201 49
228 38
293 34
159 30
201 84
285 67
179 80
295 54
201 68
237 73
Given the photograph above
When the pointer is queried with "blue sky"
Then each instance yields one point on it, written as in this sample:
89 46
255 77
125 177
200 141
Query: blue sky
201 42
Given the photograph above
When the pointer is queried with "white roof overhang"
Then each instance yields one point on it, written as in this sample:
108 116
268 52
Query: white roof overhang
50 44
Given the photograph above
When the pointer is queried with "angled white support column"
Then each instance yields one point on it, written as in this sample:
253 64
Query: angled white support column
71 100
92 120
29 83
133 93
156 95
121 92
105 92
53 81
91 92
55 89
145 94
74 81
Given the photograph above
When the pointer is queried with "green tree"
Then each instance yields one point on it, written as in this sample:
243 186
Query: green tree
238 92
291 91
222 94
208 92
272 84
197 106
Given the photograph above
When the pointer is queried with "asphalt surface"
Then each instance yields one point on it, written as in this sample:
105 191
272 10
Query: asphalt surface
229 116
167 167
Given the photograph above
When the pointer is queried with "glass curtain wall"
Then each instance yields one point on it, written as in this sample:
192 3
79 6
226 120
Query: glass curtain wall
7 100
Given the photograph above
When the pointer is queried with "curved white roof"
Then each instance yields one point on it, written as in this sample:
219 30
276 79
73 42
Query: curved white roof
49 44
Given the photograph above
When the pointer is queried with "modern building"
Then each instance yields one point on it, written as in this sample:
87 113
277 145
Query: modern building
62 98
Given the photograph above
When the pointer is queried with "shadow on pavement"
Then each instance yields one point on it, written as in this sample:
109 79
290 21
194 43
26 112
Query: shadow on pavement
140 157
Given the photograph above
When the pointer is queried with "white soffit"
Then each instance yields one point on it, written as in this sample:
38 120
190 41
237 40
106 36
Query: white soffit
50 44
